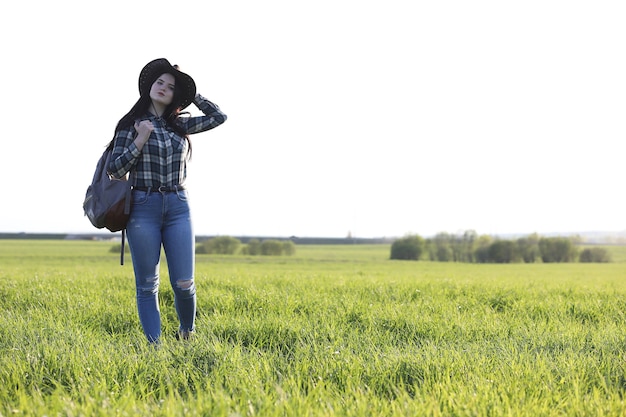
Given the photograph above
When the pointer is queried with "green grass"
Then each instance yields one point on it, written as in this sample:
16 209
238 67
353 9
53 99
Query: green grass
331 331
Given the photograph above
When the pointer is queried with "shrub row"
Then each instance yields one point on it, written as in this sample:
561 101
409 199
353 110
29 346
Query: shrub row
227 245
470 247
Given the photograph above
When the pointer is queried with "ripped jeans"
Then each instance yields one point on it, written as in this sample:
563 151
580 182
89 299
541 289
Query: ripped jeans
162 219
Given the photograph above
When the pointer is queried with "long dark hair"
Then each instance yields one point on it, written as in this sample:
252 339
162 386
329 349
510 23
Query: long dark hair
171 113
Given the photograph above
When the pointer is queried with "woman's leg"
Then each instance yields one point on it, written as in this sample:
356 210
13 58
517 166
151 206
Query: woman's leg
144 239
179 245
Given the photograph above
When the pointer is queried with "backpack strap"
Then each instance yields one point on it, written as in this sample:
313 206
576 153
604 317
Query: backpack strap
129 194
123 242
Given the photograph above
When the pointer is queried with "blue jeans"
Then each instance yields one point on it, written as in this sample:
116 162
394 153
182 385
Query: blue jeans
162 219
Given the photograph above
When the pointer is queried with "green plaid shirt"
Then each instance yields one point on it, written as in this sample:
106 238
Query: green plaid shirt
163 159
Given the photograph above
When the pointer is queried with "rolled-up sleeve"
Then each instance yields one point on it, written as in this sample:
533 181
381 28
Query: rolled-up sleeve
125 153
213 117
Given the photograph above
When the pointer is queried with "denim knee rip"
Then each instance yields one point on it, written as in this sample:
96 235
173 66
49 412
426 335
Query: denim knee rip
186 285
150 285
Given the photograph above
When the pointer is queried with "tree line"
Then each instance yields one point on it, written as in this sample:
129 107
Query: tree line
228 245
472 248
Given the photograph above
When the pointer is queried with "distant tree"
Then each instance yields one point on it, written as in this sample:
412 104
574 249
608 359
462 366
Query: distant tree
271 247
407 248
557 249
503 251
446 247
528 248
440 248
118 247
467 246
221 245
289 248
443 252
253 247
481 248
595 255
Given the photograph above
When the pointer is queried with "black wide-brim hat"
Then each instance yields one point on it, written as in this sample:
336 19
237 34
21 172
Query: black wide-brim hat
154 69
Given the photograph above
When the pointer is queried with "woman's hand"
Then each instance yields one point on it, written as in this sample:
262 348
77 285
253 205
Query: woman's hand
143 128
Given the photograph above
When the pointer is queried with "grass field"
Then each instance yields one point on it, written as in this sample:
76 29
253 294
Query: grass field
331 331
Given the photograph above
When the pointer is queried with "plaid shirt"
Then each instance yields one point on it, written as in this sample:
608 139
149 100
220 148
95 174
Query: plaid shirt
163 159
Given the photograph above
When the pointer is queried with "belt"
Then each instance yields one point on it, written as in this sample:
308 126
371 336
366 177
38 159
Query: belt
162 188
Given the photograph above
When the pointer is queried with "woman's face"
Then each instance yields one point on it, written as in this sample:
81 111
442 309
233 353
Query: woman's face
162 91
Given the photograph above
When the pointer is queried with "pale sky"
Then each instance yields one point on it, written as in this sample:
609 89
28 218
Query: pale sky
373 118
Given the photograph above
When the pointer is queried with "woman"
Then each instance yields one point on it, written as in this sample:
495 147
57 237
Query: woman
151 141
